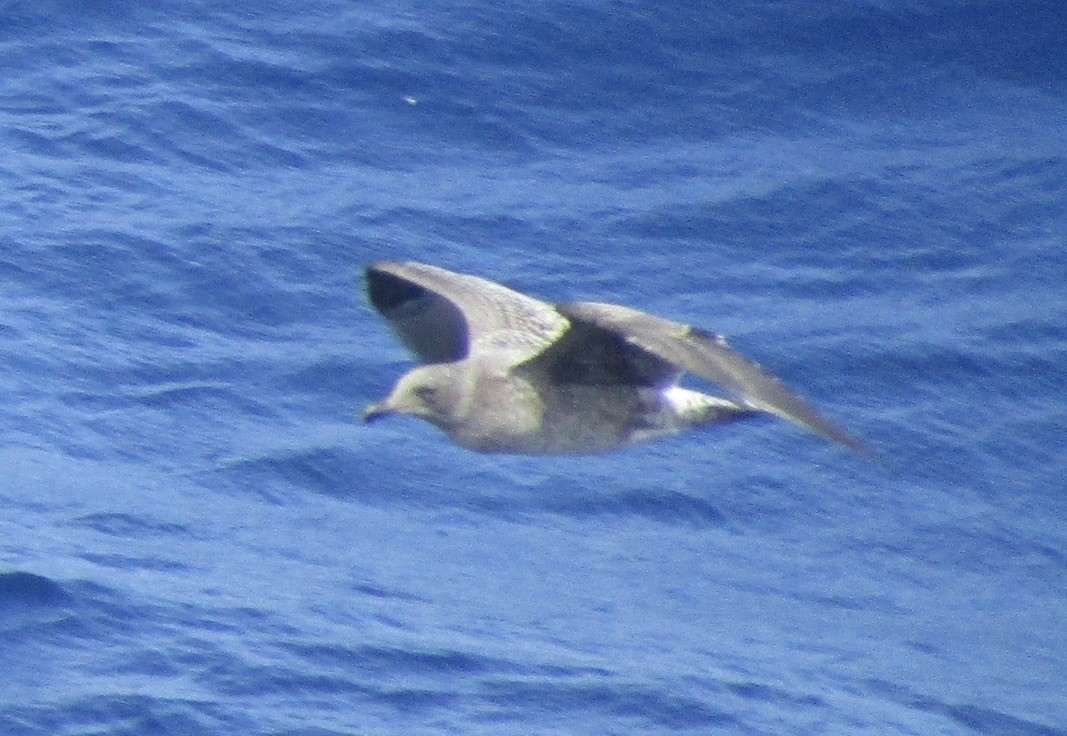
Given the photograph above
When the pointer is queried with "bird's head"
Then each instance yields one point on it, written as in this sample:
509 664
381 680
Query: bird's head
428 392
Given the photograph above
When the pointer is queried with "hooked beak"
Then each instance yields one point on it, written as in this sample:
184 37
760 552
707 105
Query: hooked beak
377 411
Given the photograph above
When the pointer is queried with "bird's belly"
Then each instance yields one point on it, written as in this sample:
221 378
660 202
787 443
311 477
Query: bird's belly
576 420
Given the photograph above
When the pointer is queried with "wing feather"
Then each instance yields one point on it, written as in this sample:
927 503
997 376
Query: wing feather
439 314
706 355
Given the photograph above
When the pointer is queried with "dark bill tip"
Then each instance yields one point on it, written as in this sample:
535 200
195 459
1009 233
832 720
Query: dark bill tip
375 412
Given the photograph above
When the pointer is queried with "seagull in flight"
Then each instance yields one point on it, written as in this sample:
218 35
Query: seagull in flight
505 372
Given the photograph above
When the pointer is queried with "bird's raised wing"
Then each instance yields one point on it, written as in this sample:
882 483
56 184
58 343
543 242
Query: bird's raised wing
439 314
706 355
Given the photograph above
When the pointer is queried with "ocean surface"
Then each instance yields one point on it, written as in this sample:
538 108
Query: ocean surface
198 535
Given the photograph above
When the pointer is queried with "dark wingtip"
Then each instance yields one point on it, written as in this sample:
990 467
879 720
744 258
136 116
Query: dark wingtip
866 452
853 443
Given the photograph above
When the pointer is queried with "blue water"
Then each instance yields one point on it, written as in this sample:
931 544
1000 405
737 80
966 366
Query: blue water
197 535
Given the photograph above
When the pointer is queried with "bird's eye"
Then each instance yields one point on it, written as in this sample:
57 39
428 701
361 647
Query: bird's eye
426 394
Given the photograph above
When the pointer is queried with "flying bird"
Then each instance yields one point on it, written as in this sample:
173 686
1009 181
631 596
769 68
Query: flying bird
505 372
